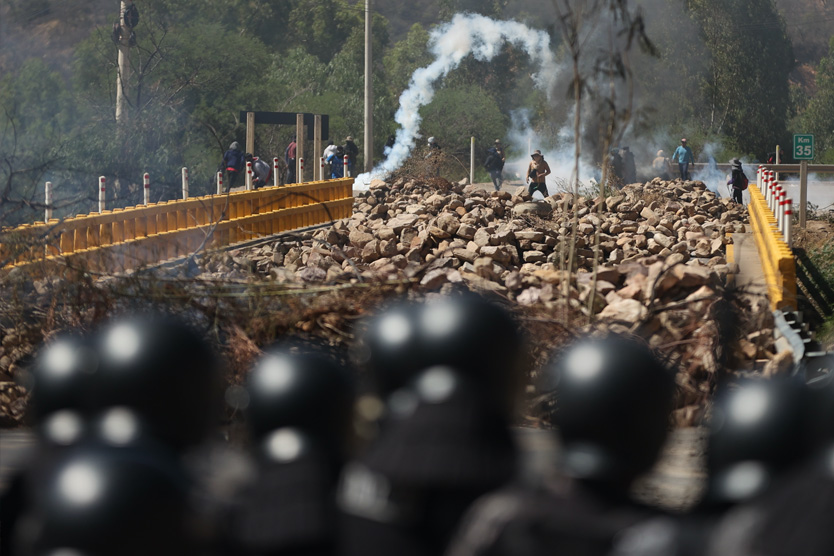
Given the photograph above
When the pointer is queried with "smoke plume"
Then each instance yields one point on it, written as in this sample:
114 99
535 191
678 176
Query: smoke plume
450 43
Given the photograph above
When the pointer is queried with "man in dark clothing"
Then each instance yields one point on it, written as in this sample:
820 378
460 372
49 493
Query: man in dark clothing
289 156
629 167
736 181
494 164
233 163
352 151
261 170
615 168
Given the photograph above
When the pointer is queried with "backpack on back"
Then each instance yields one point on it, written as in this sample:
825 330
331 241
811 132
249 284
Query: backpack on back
743 182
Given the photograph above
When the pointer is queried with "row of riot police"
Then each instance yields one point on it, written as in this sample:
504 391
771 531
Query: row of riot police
129 460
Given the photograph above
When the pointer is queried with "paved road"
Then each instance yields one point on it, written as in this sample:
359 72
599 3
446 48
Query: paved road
675 483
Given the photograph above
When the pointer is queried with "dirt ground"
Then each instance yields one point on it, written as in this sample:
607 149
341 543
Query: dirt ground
816 234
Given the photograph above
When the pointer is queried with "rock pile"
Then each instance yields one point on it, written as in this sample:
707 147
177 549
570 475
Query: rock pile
661 249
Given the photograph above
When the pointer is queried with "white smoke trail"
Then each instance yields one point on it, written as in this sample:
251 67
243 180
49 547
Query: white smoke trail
450 43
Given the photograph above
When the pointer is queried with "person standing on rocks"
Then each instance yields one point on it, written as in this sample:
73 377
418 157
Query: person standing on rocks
629 166
684 157
661 166
537 171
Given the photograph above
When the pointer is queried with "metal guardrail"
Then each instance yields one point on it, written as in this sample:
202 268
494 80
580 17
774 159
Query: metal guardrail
128 238
777 259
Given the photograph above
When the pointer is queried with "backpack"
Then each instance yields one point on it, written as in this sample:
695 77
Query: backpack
489 163
743 182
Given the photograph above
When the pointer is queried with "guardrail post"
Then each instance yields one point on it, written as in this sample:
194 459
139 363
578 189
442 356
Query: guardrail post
47 215
788 229
248 176
275 171
184 182
300 170
146 182
322 177
101 191
219 183
346 172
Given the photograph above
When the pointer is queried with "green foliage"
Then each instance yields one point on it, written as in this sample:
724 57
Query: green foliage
818 117
458 113
746 88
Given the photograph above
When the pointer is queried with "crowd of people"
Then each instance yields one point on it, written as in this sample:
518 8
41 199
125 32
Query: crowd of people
421 460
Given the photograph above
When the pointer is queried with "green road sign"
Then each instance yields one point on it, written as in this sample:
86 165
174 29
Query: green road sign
803 147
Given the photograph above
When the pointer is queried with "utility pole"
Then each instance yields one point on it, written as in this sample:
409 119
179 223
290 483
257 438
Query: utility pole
369 93
124 67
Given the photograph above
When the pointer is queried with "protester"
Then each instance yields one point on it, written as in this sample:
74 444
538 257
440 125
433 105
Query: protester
233 164
289 158
629 166
262 172
337 163
537 171
494 164
434 157
737 181
661 166
684 157
352 152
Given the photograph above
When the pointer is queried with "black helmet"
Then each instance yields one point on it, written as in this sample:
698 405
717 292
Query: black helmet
389 347
302 394
163 370
99 501
477 338
60 377
613 401
757 430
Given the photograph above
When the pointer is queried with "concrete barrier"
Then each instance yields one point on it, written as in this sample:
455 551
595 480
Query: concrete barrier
113 241
777 259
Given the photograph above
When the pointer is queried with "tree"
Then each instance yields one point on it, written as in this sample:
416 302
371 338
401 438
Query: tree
818 117
458 113
746 88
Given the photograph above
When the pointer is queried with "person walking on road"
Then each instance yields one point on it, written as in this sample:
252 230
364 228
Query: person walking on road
289 157
352 151
494 164
738 181
536 173
684 157
233 163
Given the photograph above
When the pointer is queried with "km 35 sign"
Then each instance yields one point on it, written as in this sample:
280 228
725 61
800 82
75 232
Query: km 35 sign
803 147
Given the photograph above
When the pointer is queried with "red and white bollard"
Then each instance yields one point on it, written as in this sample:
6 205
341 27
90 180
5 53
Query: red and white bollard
759 178
47 197
300 171
780 214
275 171
322 177
788 227
249 174
184 183
219 183
773 186
346 173
146 182
101 193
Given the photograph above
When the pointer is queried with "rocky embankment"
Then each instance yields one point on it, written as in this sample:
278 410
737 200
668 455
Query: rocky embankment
662 270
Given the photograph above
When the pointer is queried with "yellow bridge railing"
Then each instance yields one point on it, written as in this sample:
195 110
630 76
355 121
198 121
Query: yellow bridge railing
777 258
113 241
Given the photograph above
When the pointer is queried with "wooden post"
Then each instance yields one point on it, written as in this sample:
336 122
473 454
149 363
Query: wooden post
803 192
250 132
299 147
318 174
